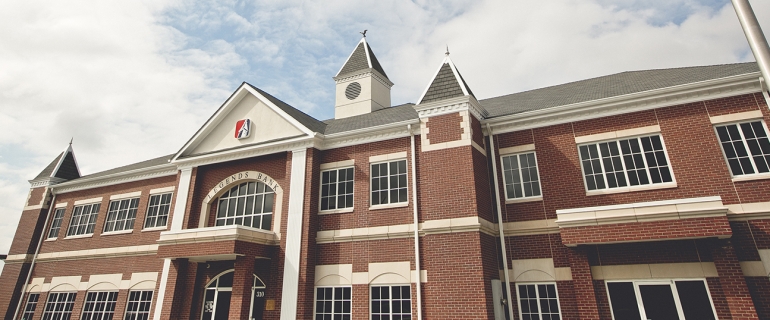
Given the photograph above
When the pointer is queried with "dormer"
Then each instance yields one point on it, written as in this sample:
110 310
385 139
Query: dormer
362 85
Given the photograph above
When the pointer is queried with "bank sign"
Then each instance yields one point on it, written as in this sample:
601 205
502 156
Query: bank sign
242 128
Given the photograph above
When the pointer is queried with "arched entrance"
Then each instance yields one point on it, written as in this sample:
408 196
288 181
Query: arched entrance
216 300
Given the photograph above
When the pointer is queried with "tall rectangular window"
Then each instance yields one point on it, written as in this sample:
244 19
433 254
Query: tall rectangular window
337 189
389 182
746 147
138 306
121 215
59 306
99 305
83 219
625 163
391 303
520 175
157 211
332 303
538 301
29 309
56 223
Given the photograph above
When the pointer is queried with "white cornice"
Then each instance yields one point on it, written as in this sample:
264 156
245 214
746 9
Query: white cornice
368 135
363 74
647 100
116 178
247 152
452 105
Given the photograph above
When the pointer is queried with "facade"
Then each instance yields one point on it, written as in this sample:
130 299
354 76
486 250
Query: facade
639 195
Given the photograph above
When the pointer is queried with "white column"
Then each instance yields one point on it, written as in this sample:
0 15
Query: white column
162 289
293 236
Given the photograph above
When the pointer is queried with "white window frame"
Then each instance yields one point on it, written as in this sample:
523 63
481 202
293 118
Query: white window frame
158 206
25 312
53 312
670 282
628 187
537 292
60 219
352 192
104 312
253 214
91 213
137 312
315 300
390 204
750 176
114 219
524 197
390 295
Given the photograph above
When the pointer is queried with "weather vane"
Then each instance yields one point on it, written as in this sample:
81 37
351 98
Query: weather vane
447 50
363 33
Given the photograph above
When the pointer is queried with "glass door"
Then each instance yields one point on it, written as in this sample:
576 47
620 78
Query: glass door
660 300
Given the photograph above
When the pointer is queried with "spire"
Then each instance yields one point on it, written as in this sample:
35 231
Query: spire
63 167
447 83
362 58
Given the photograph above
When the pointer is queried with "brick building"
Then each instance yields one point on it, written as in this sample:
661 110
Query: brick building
638 195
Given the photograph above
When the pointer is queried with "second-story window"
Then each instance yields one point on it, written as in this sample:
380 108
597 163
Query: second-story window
337 189
83 219
56 223
248 204
157 210
389 182
746 147
625 163
121 215
520 175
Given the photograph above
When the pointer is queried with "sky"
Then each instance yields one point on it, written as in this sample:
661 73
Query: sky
133 80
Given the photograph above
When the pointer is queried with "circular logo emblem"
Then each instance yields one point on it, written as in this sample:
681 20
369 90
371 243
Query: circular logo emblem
353 90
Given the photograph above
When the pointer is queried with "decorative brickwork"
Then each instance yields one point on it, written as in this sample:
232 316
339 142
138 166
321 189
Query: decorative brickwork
445 128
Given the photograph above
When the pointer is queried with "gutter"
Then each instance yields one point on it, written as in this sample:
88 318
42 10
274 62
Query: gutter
34 257
416 226
501 229
757 42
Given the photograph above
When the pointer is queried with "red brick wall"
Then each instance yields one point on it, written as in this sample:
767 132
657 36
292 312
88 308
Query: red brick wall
445 128
36 196
476 131
11 282
647 231
28 232
759 287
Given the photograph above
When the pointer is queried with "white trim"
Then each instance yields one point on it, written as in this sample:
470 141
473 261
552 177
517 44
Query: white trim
736 117
537 296
523 200
162 190
149 249
516 149
126 231
163 170
749 176
524 197
338 164
162 289
294 227
60 205
443 226
644 187
335 211
79 236
531 227
655 271
88 201
389 205
617 134
135 194
163 228
748 211
180 205
216 234
387 157
670 282
676 209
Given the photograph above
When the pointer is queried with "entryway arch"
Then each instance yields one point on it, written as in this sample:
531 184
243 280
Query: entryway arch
218 292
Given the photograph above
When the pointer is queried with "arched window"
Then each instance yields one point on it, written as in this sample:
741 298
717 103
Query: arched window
218 292
248 204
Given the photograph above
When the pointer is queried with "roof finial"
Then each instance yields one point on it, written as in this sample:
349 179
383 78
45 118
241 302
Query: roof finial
72 138
447 50
363 33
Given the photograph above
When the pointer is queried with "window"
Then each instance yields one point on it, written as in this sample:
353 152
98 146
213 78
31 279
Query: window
121 215
59 306
391 303
337 189
99 305
83 219
248 204
29 309
625 163
332 303
660 299
746 147
138 306
56 223
520 176
157 212
538 301
389 182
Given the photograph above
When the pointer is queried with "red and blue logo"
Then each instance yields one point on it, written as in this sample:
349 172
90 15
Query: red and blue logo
242 128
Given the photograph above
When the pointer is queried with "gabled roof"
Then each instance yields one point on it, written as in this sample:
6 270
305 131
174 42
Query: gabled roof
401 113
306 120
447 83
609 86
362 58
64 166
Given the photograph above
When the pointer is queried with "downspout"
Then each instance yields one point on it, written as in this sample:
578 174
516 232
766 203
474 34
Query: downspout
34 257
757 41
416 227
500 229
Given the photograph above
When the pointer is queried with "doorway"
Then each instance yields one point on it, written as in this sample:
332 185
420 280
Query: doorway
218 293
686 299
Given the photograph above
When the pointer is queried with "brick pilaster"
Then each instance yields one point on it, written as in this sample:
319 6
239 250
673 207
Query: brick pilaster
243 279
174 297
583 284
733 282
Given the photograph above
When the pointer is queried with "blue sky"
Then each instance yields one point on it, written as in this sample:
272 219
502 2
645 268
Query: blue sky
133 80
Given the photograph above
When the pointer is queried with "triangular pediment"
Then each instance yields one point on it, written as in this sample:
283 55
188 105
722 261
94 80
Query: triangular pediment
269 121
447 83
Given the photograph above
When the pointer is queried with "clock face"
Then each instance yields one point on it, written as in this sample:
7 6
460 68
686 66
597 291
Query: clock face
353 90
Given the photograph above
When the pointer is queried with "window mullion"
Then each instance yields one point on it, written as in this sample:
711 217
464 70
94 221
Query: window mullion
746 145
604 170
644 159
623 163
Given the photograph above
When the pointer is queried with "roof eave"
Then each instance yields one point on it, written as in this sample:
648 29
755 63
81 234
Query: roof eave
115 178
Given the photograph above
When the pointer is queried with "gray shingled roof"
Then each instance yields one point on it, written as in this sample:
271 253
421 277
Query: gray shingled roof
303 118
609 86
49 169
445 85
358 61
131 167
67 170
380 117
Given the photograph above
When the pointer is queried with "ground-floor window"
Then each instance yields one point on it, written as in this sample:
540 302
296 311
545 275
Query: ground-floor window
538 301
59 306
29 309
138 306
332 303
391 302
660 299
100 305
